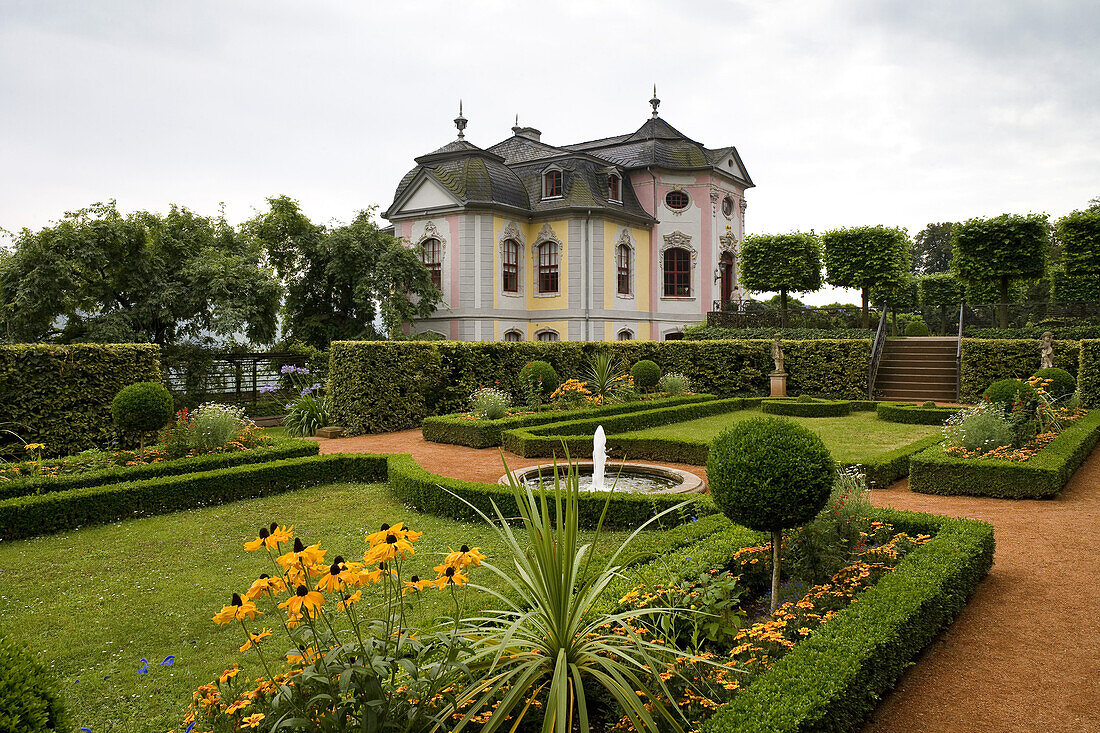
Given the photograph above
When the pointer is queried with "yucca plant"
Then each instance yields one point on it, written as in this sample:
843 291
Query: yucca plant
547 644
607 376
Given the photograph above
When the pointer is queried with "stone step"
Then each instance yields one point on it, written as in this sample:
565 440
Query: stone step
928 368
915 394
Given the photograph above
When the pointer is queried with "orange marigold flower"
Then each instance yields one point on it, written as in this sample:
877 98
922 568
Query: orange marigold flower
252 720
228 675
238 705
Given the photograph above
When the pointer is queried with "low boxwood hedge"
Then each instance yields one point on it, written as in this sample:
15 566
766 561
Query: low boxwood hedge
791 407
833 679
863 405
26 516
283 448
1042 476
448 497
457 430
886 468
29 701
912 414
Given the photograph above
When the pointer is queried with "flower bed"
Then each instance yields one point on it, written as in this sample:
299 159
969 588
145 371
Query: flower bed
1042 475
913 414
466 429
798 407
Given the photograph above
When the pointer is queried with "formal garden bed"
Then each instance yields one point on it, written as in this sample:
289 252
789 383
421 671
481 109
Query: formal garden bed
927 413
806 406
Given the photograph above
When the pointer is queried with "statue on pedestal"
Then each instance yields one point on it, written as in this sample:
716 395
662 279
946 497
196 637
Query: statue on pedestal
1046 351
777 354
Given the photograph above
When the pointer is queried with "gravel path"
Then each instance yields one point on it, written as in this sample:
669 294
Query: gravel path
1024 655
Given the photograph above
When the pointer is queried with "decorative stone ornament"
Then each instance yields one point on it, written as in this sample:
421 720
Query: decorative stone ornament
1046 351
779 375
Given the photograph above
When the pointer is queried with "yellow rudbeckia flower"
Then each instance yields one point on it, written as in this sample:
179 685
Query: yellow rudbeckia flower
237 610
464 558
304 601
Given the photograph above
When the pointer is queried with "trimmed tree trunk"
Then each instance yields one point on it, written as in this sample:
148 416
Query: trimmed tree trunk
783 307
777 539
866 312
1003 307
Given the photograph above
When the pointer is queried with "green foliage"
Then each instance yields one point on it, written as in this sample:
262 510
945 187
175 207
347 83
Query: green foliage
917 328
29 700
988 292
1079 233
1040 477
980 429
340 278
142 277
539 378
1007 391
926 414
866 258
1062 383
770 474
1088 378
488 403
940 289
886 468
928 403
932 250
703 332
646 374
143 407
307 414
1000 249
606 376
781 262
458 430
61 395
214 426
57 511
987 360
438 377
800 407
1061 333
674 384
820 548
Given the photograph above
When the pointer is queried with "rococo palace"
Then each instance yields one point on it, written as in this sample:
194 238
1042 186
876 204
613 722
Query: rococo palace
625 237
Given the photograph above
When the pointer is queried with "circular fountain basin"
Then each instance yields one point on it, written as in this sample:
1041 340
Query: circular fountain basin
640 478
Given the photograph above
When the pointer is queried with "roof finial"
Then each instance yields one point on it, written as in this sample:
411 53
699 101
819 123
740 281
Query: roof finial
460 121
516 128
654 103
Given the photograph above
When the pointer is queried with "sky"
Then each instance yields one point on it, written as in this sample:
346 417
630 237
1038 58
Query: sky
845 113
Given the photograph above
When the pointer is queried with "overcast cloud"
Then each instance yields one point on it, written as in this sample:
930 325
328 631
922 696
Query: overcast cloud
845 113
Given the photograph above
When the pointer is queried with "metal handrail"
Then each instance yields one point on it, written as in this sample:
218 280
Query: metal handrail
876 354
959 352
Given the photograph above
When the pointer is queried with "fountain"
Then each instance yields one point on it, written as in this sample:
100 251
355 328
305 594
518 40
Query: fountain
641 478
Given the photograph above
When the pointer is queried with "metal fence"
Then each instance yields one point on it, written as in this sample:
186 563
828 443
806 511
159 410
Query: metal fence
235 378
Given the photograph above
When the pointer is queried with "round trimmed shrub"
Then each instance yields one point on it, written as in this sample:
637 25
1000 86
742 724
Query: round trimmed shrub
805 398
532 371
1061 384
1007 391
29 701
929 403
142 408
917 328
646 374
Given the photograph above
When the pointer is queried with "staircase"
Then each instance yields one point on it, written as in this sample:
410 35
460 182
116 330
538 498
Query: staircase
918 369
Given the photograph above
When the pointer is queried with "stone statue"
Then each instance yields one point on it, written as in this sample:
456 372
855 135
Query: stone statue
1046 351
777 354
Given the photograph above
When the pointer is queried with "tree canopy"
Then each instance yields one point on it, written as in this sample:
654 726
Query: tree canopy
781 262
866 258
932 249
349 281
1079 276
97 275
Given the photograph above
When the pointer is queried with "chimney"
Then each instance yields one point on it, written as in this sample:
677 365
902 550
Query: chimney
528 132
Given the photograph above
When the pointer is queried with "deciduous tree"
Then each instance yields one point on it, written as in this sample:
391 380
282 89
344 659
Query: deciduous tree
781 262
866 258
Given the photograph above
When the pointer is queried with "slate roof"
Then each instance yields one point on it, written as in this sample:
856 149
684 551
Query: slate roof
510 172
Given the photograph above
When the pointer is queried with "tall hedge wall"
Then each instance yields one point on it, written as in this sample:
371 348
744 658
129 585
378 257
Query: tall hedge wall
61 395
984 361
1088 374
382 386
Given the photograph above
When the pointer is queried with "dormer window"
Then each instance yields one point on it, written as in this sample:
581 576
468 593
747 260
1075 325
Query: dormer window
615 188
551 184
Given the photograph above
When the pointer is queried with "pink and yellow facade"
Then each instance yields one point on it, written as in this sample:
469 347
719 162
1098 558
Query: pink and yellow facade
629 237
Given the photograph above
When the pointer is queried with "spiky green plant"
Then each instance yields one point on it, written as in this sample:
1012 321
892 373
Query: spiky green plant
547 643
606 376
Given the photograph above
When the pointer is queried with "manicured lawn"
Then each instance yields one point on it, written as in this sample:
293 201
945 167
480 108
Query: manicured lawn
93 602
851 439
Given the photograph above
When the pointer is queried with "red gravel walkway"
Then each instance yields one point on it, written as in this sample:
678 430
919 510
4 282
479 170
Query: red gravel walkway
1024 655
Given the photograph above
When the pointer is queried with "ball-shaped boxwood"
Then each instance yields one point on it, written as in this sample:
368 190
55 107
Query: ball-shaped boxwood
917 328
646 374
142 408
533 371
1007 391
770 474
1061 384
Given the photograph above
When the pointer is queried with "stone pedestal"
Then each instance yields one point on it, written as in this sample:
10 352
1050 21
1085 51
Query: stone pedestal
779 384
330 431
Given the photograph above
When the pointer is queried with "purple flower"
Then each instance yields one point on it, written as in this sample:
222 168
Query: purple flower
145 668
267 389
169 661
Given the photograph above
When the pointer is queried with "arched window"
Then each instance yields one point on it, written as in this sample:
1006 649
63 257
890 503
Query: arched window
614 187
548 267
677 200
551 184
513 335
509 266
548 335
677 272
432 257
622 262
727 206
626 335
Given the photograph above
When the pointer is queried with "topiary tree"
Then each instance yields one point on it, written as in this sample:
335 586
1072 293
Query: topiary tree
899 294
917 328
940 290
1062 383
142 408
1001 249
646 374
781 262
866 258
538 380
770 474
1079 234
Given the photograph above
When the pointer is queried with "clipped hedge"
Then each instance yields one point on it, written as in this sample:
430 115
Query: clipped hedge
457 430
61 395
437 377
1088 375
985 361
886 468
283 448
1042 476
911 414
835 678
791 407
442 496
27 516
29 701
705 332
